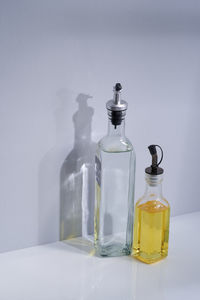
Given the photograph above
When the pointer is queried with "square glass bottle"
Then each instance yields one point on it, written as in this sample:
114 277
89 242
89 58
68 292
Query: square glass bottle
115 178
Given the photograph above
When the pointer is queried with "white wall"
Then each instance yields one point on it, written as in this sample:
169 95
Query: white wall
52 51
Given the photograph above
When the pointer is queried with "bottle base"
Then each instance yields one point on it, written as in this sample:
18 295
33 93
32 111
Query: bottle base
113 250
149 258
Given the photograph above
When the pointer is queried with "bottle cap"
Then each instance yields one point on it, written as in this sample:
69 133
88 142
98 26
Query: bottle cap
117 107
154 169
116 104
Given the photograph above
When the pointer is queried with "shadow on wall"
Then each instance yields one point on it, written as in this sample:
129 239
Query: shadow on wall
49 170
77 177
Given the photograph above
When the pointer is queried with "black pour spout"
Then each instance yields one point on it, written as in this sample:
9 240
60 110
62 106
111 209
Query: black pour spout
154 169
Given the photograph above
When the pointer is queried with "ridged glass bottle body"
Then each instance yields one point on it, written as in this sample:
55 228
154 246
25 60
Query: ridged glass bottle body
151 223
114 203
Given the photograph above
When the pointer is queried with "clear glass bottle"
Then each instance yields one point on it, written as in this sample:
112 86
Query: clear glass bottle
115 177
152 212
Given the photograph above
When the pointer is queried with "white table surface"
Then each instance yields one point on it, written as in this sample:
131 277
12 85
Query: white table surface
70 271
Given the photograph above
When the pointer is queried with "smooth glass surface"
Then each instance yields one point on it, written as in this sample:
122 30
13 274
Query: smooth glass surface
68 270
115 172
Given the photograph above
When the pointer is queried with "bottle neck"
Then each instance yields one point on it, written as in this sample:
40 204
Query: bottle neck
118 130
153 186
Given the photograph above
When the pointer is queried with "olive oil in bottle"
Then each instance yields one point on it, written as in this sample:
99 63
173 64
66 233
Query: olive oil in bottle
152 212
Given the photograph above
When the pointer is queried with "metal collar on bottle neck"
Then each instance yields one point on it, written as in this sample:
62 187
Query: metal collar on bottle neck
153 180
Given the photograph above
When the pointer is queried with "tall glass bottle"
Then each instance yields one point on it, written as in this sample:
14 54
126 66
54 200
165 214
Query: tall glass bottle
115 178
152 212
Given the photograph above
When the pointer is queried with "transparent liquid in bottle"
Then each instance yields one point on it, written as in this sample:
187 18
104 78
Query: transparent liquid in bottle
113 216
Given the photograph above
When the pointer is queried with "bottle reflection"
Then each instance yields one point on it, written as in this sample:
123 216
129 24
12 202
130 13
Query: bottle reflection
121 279
77 177
150 281
107 279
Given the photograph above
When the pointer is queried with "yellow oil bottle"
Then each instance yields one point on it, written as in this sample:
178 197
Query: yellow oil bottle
152 214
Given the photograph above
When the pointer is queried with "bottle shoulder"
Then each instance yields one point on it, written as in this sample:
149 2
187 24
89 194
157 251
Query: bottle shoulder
115 144
154 199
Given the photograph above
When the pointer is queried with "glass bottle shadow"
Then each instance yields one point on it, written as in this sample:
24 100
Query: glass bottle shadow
77 182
